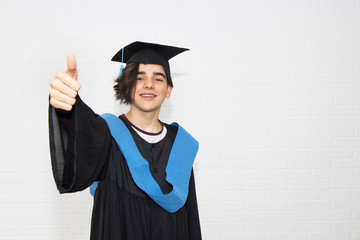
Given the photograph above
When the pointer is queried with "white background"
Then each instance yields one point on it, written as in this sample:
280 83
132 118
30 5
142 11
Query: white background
270 88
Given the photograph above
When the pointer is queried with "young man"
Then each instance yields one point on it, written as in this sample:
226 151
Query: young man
143 167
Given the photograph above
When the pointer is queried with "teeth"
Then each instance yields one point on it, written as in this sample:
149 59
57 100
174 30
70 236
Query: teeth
146 95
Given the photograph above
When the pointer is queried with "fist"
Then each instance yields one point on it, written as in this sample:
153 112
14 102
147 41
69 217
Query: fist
65 86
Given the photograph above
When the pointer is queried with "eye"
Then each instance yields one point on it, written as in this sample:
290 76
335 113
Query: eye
139 78
159 80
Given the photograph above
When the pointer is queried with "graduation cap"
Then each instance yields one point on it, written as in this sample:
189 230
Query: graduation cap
148 53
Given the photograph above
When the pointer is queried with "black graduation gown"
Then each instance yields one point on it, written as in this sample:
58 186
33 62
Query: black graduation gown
86 152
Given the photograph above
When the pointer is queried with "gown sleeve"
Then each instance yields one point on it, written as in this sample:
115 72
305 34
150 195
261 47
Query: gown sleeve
78 150
192 211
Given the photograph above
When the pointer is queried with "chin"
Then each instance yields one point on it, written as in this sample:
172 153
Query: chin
147 109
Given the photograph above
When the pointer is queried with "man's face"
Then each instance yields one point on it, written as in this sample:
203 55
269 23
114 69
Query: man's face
151 88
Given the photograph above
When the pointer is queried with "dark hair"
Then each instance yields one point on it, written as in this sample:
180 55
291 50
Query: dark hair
124 85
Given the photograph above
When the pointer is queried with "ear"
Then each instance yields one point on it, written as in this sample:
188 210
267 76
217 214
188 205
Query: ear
168 91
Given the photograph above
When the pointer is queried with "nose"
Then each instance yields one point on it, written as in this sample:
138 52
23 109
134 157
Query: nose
149 83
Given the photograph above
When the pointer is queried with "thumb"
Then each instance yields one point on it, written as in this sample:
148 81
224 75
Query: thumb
71 66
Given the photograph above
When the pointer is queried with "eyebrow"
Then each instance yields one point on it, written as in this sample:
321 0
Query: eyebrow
159 74
154 73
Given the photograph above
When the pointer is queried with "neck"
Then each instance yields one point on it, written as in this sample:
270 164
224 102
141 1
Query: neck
146 121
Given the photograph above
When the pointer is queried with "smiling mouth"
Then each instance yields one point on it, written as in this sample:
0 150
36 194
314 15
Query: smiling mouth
148 95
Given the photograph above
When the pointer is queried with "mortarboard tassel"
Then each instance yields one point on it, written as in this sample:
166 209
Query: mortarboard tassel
121 69
122 63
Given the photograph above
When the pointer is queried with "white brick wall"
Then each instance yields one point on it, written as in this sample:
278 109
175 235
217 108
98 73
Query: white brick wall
270 88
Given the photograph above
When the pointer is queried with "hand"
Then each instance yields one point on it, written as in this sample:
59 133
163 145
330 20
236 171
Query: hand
65 86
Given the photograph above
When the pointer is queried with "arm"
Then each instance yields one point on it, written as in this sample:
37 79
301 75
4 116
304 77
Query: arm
192 211
79 138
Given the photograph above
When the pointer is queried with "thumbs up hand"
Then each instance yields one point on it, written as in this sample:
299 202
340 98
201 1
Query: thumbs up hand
65 86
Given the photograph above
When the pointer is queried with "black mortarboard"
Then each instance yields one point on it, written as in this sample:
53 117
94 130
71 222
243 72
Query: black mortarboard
148 53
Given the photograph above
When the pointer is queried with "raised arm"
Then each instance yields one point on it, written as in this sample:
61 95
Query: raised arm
79 138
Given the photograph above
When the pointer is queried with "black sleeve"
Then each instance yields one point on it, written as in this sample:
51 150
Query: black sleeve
192 211
79 154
